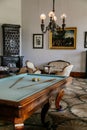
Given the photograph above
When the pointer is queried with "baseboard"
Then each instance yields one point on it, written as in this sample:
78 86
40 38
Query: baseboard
78 74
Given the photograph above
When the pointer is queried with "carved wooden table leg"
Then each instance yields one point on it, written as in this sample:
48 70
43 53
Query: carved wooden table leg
44 112
19 126
18 123
59 97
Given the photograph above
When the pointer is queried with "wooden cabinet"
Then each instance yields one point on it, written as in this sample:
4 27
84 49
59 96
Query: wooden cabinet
14 61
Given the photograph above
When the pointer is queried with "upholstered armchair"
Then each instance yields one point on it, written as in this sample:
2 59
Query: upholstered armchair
58 67
66 71
31 68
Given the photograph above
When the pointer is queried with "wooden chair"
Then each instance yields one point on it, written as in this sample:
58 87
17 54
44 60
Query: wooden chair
31 68
22 70
66 71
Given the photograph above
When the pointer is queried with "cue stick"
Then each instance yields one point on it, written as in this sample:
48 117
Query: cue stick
36 83
16 82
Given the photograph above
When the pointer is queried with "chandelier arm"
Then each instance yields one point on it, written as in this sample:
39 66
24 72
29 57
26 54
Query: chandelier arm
63 26
45 30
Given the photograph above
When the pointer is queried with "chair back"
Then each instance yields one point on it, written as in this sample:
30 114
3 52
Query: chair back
30 65
67 70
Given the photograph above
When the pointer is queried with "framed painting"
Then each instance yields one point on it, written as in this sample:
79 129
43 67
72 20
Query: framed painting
38 41
63 40
85 40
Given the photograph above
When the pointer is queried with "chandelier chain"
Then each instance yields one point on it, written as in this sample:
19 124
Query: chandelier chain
53 5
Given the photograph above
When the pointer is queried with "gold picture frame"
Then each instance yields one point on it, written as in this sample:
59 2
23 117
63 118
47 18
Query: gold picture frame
65 41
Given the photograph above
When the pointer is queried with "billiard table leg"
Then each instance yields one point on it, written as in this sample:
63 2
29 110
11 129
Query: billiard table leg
44 112
58 99
19 126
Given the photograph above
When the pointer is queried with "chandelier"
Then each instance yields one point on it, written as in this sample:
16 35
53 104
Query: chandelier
52 26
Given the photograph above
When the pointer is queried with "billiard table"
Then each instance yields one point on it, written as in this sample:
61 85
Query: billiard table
21 95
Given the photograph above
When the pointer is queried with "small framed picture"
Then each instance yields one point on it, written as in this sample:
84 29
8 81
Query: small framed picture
38 41
85 40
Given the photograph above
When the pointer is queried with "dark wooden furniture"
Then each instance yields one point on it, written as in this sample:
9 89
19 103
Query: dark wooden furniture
16 60
11 47
20 97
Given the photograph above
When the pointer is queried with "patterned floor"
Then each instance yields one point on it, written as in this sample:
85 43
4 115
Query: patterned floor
73 115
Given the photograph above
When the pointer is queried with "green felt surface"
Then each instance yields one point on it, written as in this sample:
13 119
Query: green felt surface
12 90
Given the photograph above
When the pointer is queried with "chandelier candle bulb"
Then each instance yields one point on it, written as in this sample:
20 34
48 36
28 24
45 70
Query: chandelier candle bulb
42 16
52 25
51 14
55 18
63 17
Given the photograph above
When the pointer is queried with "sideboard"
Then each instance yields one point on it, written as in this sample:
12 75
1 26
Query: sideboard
15 61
